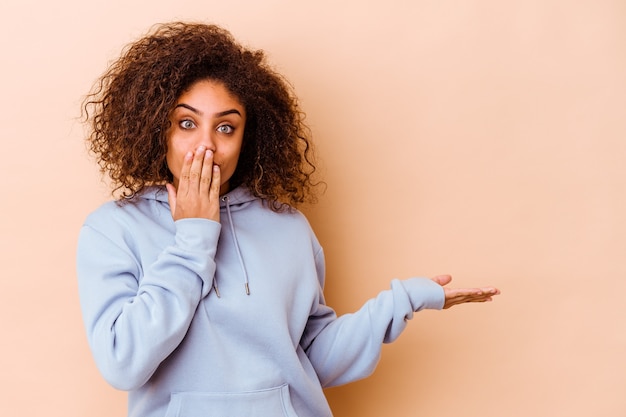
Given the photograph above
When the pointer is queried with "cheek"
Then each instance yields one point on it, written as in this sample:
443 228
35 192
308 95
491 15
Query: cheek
234 158
228 163
237 150
229 154
173 160
173 166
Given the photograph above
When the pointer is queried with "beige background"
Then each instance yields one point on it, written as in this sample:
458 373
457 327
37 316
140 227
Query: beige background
481 138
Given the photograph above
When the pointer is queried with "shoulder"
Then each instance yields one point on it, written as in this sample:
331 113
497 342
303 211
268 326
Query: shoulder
107 212
288 223
294 225
128 214
288 216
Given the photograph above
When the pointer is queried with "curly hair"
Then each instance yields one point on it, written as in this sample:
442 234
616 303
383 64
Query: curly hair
128 108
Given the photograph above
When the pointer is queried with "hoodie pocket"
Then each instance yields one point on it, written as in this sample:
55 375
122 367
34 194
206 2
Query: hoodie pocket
272 402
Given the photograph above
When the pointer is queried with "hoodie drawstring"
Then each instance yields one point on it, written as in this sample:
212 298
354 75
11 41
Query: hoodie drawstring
237 249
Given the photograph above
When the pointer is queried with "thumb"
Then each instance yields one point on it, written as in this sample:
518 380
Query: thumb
171 197
442 279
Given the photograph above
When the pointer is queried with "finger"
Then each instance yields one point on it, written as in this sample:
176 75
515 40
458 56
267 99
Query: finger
485 291
171 198
491 290
214 192
469 296
183 181
473 291
195 171
455 296
442 279
207 173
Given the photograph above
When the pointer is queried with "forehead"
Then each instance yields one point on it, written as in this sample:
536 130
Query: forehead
207 90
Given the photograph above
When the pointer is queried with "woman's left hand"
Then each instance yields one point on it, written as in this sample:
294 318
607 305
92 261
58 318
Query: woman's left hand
456 296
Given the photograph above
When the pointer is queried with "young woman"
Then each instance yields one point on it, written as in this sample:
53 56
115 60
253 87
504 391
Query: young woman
201 285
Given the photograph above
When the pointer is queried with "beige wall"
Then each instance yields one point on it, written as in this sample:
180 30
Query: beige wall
484 138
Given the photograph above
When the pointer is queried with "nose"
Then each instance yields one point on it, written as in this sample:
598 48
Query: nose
207 139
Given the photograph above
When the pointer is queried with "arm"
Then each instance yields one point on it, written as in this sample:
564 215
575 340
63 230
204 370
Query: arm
137 314
134 324
348 348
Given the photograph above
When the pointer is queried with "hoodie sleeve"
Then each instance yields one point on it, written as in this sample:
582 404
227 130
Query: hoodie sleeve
347 348
134 324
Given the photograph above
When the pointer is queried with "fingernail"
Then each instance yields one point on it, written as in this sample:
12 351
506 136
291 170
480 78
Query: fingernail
201 148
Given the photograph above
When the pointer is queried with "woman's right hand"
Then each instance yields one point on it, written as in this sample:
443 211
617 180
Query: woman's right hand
198 191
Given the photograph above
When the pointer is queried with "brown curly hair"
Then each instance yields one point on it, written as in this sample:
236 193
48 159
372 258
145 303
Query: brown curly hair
128 108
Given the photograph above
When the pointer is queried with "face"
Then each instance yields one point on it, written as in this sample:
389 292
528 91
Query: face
206 114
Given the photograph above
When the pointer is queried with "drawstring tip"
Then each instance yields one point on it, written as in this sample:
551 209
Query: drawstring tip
247 289
217 292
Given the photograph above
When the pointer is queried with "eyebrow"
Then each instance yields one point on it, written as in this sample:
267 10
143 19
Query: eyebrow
220 114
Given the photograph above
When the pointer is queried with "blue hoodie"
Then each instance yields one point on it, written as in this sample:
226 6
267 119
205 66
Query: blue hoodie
202 318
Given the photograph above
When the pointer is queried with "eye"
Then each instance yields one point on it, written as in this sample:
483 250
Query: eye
187 124
227 129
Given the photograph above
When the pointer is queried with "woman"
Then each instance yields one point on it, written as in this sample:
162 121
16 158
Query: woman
201 285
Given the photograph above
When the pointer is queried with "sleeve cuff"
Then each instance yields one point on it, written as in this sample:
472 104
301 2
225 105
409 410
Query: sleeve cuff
197 234
424 293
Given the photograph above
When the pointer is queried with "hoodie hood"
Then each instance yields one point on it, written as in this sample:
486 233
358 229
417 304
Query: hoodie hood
236 198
